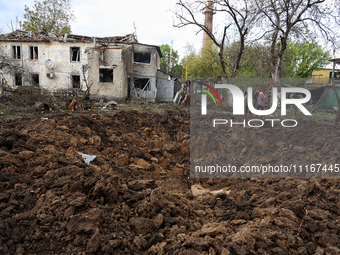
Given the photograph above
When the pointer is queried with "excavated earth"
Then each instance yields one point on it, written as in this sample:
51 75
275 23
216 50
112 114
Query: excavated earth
136 196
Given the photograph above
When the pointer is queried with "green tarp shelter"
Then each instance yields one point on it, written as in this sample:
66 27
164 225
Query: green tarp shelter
324 97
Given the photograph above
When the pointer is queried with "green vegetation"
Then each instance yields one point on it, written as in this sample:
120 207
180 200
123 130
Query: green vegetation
49 16
302 58
203 64
2 110
172 68
299 61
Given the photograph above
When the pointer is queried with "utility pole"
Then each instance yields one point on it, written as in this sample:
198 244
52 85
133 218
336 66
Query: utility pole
134 26
169 67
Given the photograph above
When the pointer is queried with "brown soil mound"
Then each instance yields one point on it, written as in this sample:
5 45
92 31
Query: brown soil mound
135 196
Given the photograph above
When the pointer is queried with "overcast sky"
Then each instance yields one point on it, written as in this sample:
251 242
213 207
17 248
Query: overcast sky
153 20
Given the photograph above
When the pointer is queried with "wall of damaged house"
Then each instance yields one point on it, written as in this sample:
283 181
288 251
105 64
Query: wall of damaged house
115 67
146 61
68 59
107 72
63 70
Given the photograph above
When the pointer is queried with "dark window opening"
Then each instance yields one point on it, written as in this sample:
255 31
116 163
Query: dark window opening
16 52
142 57
336 77
33 52
76 81
75 54
143 84
18 79
105 75
35 79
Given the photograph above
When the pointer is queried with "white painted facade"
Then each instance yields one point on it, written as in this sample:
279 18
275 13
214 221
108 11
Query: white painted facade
115 67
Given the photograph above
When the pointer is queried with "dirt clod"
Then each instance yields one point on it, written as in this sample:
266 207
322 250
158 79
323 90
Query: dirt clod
135 197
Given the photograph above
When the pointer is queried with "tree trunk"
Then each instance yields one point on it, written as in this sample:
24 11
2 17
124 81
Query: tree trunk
238 60
276 58
220 54
337 118
273 61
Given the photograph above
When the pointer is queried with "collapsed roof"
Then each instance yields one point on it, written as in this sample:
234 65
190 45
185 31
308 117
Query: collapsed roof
33 36
41 36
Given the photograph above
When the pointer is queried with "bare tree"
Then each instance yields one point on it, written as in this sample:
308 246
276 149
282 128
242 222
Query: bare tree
20 67
7 66
288 18
242 15
239 15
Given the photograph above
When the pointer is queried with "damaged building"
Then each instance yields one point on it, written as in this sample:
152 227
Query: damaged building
117 67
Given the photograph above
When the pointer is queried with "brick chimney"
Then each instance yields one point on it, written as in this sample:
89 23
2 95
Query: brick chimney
208 22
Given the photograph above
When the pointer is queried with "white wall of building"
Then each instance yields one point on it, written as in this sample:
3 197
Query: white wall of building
58 52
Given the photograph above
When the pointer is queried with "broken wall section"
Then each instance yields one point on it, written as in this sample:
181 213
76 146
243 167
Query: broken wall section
108 71
146 61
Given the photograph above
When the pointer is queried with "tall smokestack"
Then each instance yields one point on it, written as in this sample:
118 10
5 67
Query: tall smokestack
208 22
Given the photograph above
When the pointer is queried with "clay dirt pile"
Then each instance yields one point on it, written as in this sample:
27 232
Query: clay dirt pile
136 196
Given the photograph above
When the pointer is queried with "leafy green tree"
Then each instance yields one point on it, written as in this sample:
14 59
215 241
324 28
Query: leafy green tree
49 15
299 61
301 58
204 64
176 68
192 66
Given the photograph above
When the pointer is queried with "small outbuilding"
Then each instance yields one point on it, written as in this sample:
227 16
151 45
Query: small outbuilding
324 97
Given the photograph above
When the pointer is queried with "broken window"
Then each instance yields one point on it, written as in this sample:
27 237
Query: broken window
35 79
142 57
75 54
75 81
16 52
18 79
105 75
143 84
33 51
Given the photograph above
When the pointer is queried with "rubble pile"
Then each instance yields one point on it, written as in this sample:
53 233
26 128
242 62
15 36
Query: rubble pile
136 197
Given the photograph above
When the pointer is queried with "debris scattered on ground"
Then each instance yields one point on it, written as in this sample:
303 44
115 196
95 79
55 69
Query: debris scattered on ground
135 197
40 106
110 103
87 158
198 190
